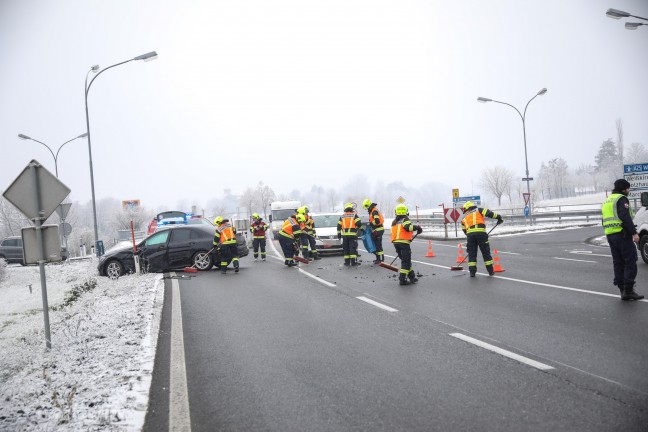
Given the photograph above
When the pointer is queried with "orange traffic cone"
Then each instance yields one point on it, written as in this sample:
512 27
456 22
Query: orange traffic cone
460 255
430 252
496 265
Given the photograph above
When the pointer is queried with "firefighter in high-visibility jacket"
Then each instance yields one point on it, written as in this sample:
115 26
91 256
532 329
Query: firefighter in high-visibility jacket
258 229
377 229
474 226
402 233
347 229
289 236
621 236
308 235
225 242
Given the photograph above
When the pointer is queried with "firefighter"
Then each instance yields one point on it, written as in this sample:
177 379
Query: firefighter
621 236
289 236
377 229
347 230
225 242
308 235
258 228
402 231
474 226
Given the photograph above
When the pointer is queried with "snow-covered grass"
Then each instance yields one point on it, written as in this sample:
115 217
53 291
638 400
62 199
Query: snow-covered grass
97 374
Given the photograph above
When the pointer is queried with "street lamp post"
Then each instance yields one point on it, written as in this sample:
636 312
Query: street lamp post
95 69
617 14
55 156
523 117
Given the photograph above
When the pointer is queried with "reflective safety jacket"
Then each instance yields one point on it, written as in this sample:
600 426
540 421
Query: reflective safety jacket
309 226
402 230
349 224
376 219
258 229
290 228
473 221
225 233
612 221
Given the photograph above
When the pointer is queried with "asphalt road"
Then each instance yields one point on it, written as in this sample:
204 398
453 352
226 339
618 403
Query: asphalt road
324 347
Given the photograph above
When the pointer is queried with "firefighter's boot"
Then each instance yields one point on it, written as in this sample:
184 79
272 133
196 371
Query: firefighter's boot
489 267
402 279
412 276
629 292
377 260
347 261
236 266
473 271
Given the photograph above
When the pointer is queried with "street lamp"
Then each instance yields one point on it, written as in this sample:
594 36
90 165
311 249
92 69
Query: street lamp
95 69
523 117
617 14
55 156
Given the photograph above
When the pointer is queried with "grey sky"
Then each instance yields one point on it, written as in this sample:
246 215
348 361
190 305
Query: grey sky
296 93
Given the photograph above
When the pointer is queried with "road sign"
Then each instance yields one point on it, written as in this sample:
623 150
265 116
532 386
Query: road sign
66 228
63 210
51 244
455 193
475 198
637 176
51 190
451 215
527 178
526 211
400 200
526 196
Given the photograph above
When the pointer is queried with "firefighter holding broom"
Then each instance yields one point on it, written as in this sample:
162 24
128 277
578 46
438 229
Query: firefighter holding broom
289 235
474 226
402 231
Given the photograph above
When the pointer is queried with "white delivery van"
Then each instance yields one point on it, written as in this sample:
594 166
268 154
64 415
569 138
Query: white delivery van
279 212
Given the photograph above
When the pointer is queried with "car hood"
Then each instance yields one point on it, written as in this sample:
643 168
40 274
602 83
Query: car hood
327 231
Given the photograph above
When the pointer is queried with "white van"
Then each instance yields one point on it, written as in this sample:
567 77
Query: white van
279 212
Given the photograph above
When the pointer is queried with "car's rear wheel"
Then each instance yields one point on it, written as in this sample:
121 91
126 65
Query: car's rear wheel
643 247
202 260
114 269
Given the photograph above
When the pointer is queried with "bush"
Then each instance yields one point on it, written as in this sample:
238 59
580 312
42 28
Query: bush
75 293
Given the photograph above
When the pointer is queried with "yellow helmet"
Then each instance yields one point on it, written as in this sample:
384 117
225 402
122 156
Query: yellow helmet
348 206
256 216
218 220
366 203
468 204
301 218
401 210
302 210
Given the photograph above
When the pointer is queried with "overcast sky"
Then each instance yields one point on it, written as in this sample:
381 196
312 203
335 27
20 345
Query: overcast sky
296 93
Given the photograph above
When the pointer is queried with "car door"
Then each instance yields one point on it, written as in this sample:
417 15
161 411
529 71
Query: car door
181 247
14 250
154 252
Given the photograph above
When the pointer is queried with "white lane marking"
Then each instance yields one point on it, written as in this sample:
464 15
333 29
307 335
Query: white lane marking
317 278
589 253
375 303
508 253
616 296
503 352
571 259
179 419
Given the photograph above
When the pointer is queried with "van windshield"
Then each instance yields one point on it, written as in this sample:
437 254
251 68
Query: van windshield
282 215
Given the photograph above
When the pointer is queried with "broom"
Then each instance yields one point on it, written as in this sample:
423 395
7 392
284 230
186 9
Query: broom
390 266
297 257
458 267
193 268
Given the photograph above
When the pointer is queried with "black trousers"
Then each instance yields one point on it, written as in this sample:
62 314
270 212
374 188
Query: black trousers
259 243
308 240
404 252
350 247
229 253
624 258
478 240
287 246
377 238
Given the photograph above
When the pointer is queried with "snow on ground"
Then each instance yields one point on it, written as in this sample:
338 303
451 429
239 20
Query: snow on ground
98 372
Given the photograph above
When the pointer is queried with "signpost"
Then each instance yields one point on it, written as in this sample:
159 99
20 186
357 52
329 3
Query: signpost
36 192
637 176
66 228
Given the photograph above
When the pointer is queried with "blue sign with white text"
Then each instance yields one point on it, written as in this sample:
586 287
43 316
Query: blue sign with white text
467 198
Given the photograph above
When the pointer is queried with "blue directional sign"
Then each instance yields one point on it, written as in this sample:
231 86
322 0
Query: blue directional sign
637 176
475 198
526 211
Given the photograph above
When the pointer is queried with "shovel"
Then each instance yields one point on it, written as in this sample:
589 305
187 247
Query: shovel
390 266
458 267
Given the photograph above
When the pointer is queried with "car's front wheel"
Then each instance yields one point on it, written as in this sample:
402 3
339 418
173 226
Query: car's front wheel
202 260
114 269
643 247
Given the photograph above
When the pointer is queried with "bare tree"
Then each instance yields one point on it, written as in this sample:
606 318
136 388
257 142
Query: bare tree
249 200
122 218
332 197
11 220
619 128
636 154
265 195
497 181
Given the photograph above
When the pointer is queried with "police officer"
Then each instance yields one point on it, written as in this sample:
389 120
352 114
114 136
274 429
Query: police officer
474 226
258 228
347 230
402 231
621 236
377 229
225 241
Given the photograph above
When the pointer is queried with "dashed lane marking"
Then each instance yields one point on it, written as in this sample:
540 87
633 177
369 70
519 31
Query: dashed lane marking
503 352
577 260
375 303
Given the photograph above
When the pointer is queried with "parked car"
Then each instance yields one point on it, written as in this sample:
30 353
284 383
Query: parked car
11 250
326 240
175 247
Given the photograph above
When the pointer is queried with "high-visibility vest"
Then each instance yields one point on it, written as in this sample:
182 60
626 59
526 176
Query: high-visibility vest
473 221
348 223
611 221
400 233
227 233
288 228
372 217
